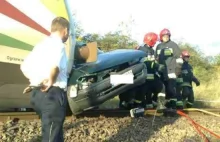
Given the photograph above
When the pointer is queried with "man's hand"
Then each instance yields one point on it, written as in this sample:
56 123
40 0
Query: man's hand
198 84
46 84
27 90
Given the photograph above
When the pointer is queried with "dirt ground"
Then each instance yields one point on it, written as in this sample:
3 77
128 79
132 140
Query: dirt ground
127 129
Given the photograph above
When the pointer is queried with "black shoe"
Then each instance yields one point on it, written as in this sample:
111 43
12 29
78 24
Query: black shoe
179 107
172 104
169 113
167 104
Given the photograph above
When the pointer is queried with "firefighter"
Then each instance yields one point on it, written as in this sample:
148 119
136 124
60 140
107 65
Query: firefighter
168 56
188 78
153 83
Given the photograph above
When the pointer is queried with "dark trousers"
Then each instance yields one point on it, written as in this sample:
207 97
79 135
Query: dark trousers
178 92
127 96
153 87
136 94
51 107
140 92
170 86
188 94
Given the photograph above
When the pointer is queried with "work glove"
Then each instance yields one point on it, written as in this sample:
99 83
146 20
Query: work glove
197 83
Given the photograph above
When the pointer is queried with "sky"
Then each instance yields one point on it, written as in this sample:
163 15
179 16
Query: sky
194 21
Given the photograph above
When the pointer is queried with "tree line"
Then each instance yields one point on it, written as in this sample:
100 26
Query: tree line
204 66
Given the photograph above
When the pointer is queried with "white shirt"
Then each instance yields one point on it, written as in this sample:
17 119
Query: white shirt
45 55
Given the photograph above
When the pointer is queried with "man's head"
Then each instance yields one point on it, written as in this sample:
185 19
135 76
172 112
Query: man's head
185 55
165 35
61 26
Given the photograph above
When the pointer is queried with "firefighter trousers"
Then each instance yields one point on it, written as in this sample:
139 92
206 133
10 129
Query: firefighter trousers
140 92
171 96
170 86
178 93
154 87
133 98
125 99
179 89
188 94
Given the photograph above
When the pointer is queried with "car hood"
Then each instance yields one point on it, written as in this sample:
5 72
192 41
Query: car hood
113 58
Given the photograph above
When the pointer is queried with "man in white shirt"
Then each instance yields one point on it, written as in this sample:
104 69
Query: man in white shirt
46 69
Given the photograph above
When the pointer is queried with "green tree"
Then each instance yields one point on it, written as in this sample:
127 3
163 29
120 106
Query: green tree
119 39
217 60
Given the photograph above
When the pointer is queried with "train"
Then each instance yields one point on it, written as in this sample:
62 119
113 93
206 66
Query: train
24 24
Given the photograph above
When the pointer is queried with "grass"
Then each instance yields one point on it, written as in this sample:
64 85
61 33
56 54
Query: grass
209 93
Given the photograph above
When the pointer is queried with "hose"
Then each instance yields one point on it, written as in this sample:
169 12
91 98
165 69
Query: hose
214 134
194 124
198 125
201 110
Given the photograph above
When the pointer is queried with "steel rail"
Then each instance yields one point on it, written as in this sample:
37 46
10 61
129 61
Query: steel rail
4 116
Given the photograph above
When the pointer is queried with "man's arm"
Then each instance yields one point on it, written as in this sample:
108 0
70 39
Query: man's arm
194 79
177 53
176 50
54 73
52 79
156 52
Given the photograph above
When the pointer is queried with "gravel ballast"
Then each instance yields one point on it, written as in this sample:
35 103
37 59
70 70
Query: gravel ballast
164 129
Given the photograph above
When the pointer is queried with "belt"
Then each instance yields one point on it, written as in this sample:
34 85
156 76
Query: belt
38 87
35 87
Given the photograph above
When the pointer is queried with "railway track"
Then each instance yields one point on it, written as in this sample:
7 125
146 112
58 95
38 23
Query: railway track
4 116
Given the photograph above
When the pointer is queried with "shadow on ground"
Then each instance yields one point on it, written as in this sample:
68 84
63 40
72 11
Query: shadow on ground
142 129
200 104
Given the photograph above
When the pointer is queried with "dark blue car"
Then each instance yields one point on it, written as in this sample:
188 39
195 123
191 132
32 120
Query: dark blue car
89 84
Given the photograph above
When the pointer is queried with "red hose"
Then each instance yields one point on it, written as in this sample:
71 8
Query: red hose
194 124
200 132
214 134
